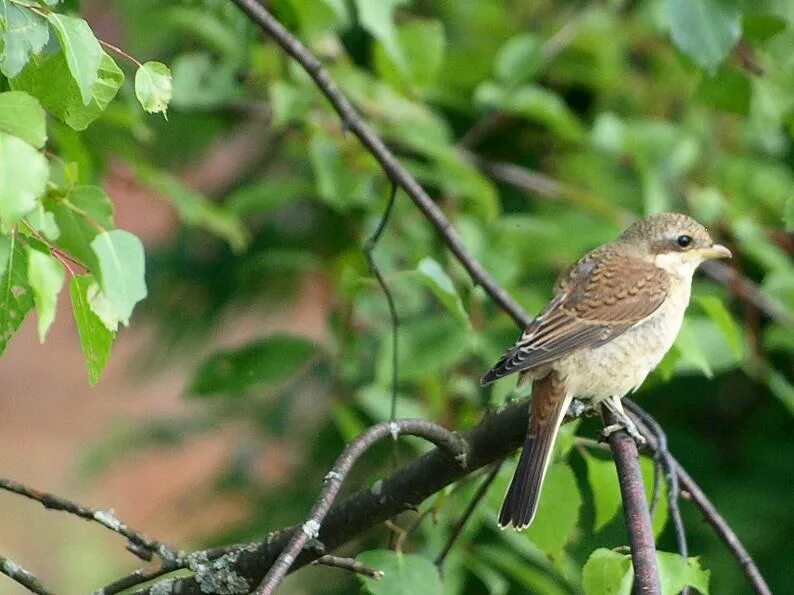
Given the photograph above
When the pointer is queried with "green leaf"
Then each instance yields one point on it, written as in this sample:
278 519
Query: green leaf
717 311
762 27
26 34
95 339
788 214
603 480
426 346
270 360
23 179
45 276
80 215
403 574
81 49
23 116
121 270
422 44
53 85
536 104
376 16
16 296
102 307
558 510
519 59
603 572
689 347
729 89
199 81
153 87
195 209
437 280
6 246
315 18
530 575
676 573
43 222
705 30
337 184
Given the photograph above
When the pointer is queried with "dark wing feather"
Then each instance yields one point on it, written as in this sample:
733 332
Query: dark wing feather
605 293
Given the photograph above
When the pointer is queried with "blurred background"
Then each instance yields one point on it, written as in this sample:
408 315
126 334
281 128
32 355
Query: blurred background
542 129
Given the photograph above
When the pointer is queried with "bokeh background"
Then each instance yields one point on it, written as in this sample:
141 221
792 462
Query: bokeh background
541 129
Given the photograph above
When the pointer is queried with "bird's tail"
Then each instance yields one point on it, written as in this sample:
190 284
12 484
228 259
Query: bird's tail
549 404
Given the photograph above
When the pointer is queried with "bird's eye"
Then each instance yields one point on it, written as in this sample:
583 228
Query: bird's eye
684 241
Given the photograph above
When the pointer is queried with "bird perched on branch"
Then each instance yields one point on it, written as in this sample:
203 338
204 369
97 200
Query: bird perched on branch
613 317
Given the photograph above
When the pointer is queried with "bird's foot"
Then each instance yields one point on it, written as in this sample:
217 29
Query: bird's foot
625 423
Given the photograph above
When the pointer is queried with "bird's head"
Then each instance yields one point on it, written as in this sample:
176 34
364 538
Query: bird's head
674 242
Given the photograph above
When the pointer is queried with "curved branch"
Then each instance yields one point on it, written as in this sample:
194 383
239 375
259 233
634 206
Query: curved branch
449 442
496 436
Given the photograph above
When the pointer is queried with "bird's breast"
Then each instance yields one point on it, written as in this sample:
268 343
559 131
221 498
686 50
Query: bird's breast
621 365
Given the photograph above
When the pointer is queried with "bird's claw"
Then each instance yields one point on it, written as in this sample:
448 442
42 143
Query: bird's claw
631 430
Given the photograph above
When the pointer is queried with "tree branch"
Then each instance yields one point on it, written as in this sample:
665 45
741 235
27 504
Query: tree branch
707 508
635 509
22 577
496 436
447 441
137 543
391 166
493 439
350 564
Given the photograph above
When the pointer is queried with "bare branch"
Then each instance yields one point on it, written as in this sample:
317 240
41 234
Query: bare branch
350 564
138 543
449 442
369 249
138 577
22 577
635 509
496 436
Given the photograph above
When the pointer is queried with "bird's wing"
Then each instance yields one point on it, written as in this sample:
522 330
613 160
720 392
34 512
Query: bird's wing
605 293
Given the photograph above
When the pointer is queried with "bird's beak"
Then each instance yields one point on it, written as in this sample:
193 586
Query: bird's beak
715 251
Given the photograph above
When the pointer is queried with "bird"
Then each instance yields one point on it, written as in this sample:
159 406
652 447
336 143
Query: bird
614 315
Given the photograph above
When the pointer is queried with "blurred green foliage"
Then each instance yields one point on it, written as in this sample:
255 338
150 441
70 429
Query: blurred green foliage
611 110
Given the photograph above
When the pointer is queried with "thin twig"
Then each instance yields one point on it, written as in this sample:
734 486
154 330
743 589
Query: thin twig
369 248
481 492
138 577
350 564
120 52
391 166
138 543
448 441
22 577
635 509
723 529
